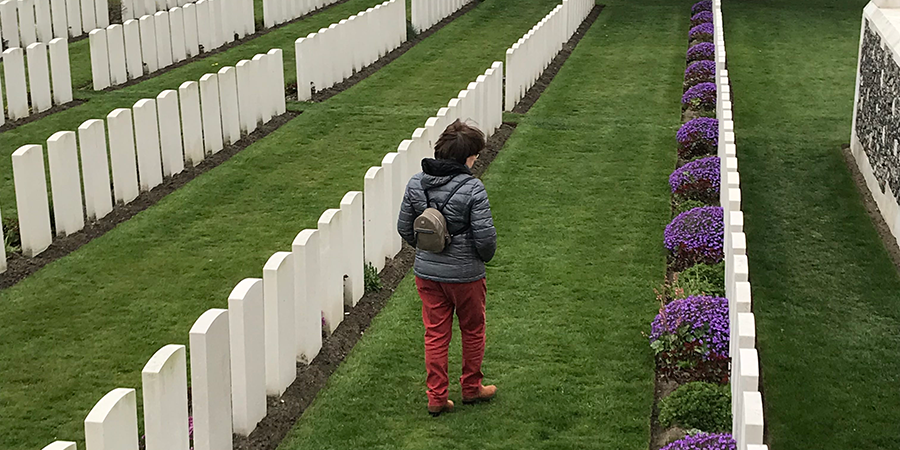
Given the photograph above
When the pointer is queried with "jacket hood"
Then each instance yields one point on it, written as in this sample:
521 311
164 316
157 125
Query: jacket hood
438 172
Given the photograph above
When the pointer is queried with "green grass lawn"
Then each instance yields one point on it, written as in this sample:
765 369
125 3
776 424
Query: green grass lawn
102 103
580 201
88 322
825 291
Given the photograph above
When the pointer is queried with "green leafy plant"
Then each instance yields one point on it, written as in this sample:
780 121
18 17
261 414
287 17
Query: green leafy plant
682 205
700 405
372 280
11 239
701 279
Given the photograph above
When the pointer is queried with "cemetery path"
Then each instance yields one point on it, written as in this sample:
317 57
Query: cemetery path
580 199
88 322
825 290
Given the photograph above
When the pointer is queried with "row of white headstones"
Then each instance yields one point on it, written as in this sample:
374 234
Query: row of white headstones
527 59
428 13
152 140
333 54
25 96
124 52
746 403
24 22
251 350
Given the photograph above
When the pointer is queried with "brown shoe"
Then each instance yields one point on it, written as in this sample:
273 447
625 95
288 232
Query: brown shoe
440 409
485 394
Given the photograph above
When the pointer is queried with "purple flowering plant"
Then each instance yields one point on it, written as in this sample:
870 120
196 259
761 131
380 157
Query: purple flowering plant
704 5
702 17
702 33
696 236
690 339
700 98
699 72
698 137
704 441
697 180
704 51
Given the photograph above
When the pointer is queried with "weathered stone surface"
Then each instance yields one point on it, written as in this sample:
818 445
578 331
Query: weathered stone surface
65 183
164 382
31 199
191 122
246 316
146 128
170 132
281 343
211 381
122 155
112 423
95 169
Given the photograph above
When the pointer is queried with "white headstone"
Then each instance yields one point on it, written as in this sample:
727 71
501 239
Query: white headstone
146 136
276 74
204 27
148 43
95 169
331 268
212 119
26 22
164 381
112 423
262 77
73 16
191 38
101 11
134 60
211 381
281 343
246 317
16 88
163 39
88 15
99 59
247 99
170 132
215 26
391 165
43 21
307 307
352 218
31 199
39 77
115 41
121 154
374 210
65 184
176 28
60 72
9 23
303 66
191 122
228 102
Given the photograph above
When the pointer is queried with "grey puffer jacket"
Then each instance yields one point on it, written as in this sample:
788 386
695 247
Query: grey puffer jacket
463 260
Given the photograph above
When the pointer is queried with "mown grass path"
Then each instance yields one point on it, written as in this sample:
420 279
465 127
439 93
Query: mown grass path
88 322
580 200
825 292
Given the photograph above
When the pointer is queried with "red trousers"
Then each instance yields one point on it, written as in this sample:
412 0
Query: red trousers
439 300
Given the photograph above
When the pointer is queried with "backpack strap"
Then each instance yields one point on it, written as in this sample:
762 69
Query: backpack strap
453 192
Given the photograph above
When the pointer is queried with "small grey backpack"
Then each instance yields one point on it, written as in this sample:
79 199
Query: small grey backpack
431 226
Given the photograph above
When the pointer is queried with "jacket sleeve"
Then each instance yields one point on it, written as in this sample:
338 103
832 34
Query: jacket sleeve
405 223
482 224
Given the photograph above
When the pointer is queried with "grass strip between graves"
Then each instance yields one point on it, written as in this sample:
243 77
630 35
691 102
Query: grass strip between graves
99 104
579 197
88 322
825 291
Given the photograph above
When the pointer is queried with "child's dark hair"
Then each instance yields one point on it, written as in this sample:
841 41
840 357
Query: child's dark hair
458 142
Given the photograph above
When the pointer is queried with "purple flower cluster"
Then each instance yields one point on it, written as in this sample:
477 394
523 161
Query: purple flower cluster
704 441
705 5
701 97
703 32
696 236
702 51
701 17
699 72
697 180
703 319
698 137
